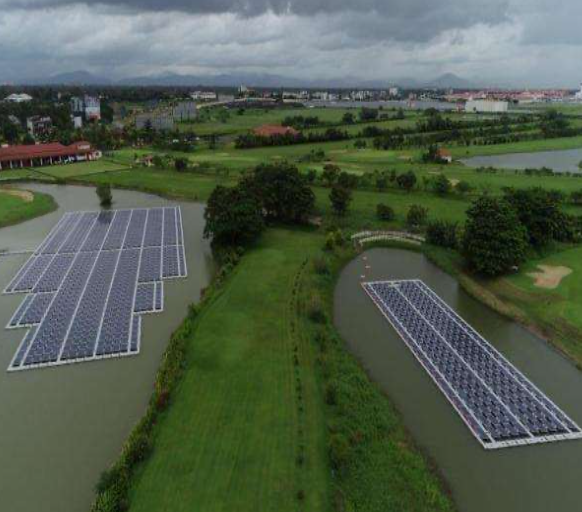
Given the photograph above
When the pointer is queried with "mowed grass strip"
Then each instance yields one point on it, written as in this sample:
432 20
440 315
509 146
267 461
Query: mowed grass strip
229 439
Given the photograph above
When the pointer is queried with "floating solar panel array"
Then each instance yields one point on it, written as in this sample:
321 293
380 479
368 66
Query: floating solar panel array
501 407
89 282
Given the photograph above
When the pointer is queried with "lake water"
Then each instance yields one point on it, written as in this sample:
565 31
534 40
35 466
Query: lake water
60 427
540 478
559 161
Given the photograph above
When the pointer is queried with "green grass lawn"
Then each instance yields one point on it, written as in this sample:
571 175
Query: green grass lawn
14 209
229 440
558 309
80 168
191 186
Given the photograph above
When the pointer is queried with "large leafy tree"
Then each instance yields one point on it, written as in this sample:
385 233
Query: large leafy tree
340 198
282 191
406 181
495 240
233 216
539 211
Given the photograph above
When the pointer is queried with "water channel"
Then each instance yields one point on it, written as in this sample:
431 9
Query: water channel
538 478
60 427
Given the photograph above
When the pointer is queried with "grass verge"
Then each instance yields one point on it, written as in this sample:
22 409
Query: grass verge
14 209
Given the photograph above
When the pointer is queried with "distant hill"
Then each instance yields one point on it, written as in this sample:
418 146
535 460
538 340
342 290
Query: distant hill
72 78
81 77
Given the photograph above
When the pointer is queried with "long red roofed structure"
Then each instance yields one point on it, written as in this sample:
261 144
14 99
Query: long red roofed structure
38 155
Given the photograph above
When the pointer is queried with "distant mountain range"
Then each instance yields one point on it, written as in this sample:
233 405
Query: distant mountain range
445 81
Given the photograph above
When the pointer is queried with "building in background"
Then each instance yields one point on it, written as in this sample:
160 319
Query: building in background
18 98
578 95
153 121
204 96
486 106
39 126
185 111
88 106
38 155
273 130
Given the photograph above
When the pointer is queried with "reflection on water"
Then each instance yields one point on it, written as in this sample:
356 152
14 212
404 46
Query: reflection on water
538 478
60 427
558 161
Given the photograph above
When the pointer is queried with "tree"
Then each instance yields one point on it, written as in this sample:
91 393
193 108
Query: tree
360 144
539 211
340 198
368 114
347 180
441 185
385 212
330 174
282 191
233 216
103 191
416 216
348 118
442 233
406 181
494 241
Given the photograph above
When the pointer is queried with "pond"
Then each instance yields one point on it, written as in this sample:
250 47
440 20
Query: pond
60 427
559 161
535 478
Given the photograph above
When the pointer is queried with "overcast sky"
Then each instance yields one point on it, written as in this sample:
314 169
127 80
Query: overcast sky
522 42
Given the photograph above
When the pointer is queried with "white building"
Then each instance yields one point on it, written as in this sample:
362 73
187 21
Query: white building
156 122
486 106
204 96
18 98
578 95
89 106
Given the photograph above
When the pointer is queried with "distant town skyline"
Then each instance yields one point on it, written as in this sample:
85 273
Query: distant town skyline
501 42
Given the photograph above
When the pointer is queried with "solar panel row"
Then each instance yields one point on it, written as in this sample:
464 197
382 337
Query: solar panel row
498 404
91 279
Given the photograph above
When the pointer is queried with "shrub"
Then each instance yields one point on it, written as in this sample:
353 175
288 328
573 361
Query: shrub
331 394
463 187
441 185
385 212
339 451
321 266
442 233
315 309
416 216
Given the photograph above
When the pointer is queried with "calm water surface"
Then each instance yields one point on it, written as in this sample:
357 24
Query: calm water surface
558 161
60 427
542 478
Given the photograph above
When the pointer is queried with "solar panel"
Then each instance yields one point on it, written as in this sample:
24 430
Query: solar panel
89 282
501 407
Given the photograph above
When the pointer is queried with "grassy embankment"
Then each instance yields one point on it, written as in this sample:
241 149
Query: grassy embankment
16 207
246 428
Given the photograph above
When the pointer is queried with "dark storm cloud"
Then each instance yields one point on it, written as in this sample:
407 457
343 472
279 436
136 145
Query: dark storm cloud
414 20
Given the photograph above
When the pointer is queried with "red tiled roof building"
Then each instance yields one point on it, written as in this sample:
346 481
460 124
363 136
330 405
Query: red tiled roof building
273 130
38 155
